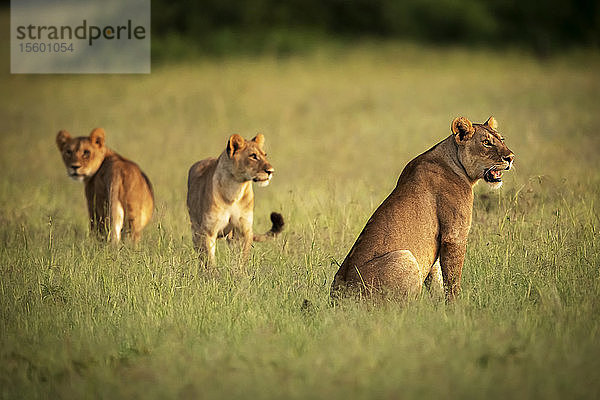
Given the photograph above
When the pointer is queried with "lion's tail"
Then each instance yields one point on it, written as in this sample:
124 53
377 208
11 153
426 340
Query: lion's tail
276 228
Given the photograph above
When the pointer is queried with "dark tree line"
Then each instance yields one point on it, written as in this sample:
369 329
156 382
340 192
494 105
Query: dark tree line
541 24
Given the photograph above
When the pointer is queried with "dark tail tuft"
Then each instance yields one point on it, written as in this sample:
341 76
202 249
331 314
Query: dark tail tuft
277 223
276 228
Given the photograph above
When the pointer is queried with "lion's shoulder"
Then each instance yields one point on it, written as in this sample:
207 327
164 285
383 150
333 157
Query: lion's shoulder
113 164
201 169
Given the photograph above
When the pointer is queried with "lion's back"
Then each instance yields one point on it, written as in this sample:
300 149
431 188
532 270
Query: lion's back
199 175
135 188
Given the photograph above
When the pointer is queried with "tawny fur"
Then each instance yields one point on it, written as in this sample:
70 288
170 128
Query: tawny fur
423 224
119 195
220 197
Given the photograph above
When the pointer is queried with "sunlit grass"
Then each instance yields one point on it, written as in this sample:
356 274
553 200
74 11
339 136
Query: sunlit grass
80 319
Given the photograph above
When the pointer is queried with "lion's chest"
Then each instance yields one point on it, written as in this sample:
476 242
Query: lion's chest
229 217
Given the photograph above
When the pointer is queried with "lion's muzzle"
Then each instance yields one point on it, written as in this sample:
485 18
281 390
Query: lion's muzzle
263 178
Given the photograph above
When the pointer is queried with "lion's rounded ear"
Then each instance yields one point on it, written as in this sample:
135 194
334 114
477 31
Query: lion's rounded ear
492 123
259 139
97 137
62 138
235 143
462 129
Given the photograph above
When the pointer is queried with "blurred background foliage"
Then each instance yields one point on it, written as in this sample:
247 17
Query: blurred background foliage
230 26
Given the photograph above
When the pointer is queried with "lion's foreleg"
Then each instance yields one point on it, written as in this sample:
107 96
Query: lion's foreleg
97 211
452 257
205 244
247 236
435 281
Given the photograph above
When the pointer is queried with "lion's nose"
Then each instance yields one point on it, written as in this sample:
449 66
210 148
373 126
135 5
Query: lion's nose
75 167
269 170
509 158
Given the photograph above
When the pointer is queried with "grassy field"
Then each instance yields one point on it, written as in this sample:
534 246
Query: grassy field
79 319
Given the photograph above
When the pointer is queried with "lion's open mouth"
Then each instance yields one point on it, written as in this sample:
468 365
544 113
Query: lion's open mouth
493 174
262 181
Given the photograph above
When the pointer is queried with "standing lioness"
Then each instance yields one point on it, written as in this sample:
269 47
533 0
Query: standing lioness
220 198
428 215
119 195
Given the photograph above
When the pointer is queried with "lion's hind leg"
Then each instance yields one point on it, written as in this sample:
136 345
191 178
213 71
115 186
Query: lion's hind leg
396 273
137 217
134 229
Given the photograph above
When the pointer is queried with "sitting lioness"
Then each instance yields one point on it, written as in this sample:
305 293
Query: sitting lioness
427 216
119 195
220 199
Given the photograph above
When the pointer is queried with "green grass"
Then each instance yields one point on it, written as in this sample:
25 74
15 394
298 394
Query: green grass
79 319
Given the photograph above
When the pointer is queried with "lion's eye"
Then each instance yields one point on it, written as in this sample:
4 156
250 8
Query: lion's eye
86 153
254 156
68 153
487 143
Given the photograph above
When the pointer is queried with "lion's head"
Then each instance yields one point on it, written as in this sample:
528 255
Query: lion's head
82 155
481 150
248 159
